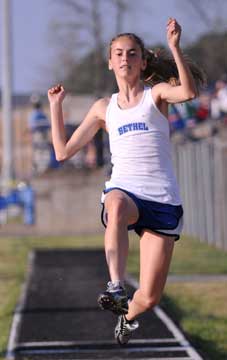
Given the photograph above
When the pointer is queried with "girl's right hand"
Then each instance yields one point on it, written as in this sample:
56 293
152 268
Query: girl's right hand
56 94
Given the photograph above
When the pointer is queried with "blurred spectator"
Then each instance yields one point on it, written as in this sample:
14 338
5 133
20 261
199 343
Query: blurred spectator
43 155
182 116
38 123
219 101
203 107
189 114
37 120
175 119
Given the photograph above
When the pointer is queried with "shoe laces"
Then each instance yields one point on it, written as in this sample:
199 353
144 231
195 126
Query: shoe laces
127 327
124 330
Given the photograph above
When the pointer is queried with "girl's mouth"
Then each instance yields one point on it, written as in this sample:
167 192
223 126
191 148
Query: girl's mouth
125 67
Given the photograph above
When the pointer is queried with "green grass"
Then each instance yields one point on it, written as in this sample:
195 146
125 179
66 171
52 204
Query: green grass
200 309
190 257
193 257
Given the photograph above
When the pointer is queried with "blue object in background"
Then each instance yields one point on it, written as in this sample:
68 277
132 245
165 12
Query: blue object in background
3 203
23 196
176 121
12 198
3 210
26 197
54 164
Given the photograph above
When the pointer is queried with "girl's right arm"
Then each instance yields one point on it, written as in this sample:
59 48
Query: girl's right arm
94 120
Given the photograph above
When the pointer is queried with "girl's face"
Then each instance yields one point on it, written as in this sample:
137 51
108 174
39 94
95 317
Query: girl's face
126 58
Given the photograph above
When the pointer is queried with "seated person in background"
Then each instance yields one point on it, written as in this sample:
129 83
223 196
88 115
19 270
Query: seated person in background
38 127
37 120
219 101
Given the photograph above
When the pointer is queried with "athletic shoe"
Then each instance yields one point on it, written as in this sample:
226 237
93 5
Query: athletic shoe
115 299
124 329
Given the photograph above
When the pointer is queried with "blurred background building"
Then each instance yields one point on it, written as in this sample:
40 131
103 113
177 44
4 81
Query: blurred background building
74 52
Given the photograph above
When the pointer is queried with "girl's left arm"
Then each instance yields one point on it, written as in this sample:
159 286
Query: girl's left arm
186 90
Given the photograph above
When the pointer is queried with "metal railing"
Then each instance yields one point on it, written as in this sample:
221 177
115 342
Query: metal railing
201 169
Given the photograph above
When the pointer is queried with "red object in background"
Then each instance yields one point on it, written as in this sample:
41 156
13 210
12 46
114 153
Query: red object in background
202 113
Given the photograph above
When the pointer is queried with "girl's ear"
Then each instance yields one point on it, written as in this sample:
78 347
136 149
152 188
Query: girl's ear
144 65
110 65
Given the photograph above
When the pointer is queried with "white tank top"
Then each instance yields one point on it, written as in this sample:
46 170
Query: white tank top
141 151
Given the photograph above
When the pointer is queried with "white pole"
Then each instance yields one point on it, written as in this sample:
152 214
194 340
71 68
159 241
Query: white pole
7 133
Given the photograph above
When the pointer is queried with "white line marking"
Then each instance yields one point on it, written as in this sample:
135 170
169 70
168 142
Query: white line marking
13 344
165 358
169 324
98 342
169 358
13 337
118 349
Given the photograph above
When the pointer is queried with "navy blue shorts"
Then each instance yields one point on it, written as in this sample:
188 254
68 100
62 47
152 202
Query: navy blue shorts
161 218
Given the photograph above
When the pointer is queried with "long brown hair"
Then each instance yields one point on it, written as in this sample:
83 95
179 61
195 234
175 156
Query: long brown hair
161 67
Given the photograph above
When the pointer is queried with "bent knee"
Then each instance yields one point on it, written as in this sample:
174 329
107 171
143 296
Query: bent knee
116 207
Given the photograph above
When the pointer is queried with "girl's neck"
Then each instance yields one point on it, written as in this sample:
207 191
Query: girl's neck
129 95
129 91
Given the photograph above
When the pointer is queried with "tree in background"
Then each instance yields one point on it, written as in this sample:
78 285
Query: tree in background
209 12
86 75
82 45
85 26
81 35
210 50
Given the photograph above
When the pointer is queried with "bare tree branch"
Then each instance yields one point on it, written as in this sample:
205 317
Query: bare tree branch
74 5
84 22
98 54
199 9
121 8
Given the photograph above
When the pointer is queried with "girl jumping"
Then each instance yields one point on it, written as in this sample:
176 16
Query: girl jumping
142 193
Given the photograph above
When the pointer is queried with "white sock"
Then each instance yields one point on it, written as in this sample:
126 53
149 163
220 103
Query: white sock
117 284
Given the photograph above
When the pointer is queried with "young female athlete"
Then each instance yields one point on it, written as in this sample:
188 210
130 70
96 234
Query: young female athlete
142 193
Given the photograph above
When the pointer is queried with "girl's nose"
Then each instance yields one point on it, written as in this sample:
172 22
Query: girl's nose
125 56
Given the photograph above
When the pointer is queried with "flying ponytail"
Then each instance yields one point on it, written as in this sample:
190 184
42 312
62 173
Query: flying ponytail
161 67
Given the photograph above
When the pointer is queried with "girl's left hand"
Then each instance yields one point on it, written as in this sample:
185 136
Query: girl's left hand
173 32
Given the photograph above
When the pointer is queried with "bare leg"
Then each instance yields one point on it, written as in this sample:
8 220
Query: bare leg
121 211
155 256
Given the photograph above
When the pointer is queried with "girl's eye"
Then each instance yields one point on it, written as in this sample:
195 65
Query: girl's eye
118 54
132 53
